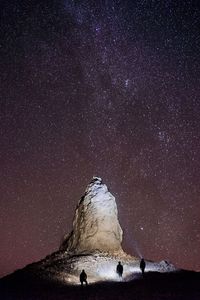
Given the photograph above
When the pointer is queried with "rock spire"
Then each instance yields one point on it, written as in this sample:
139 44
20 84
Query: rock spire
95 226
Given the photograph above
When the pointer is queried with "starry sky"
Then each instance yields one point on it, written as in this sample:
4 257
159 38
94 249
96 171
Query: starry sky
105 88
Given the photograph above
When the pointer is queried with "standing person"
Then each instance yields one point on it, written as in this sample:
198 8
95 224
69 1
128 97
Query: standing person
83 277
142 266
119 269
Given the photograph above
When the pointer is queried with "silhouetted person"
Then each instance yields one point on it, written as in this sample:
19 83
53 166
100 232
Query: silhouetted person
142 266
83 277
119 269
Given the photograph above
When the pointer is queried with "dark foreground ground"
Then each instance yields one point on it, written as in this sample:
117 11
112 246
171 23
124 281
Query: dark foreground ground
179 285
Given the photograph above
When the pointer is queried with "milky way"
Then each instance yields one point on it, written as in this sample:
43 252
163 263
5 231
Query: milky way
106 88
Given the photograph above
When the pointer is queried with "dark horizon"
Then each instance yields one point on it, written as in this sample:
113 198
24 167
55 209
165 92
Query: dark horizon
111 89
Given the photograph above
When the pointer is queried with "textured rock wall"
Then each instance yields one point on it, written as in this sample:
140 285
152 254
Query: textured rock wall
95 227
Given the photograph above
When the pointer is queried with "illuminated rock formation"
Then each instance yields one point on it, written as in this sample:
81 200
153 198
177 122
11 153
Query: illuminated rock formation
93 245
95 227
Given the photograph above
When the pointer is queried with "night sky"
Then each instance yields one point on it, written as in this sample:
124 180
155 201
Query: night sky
105 88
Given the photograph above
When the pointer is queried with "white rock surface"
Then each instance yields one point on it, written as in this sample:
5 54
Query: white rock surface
95 227
99 267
